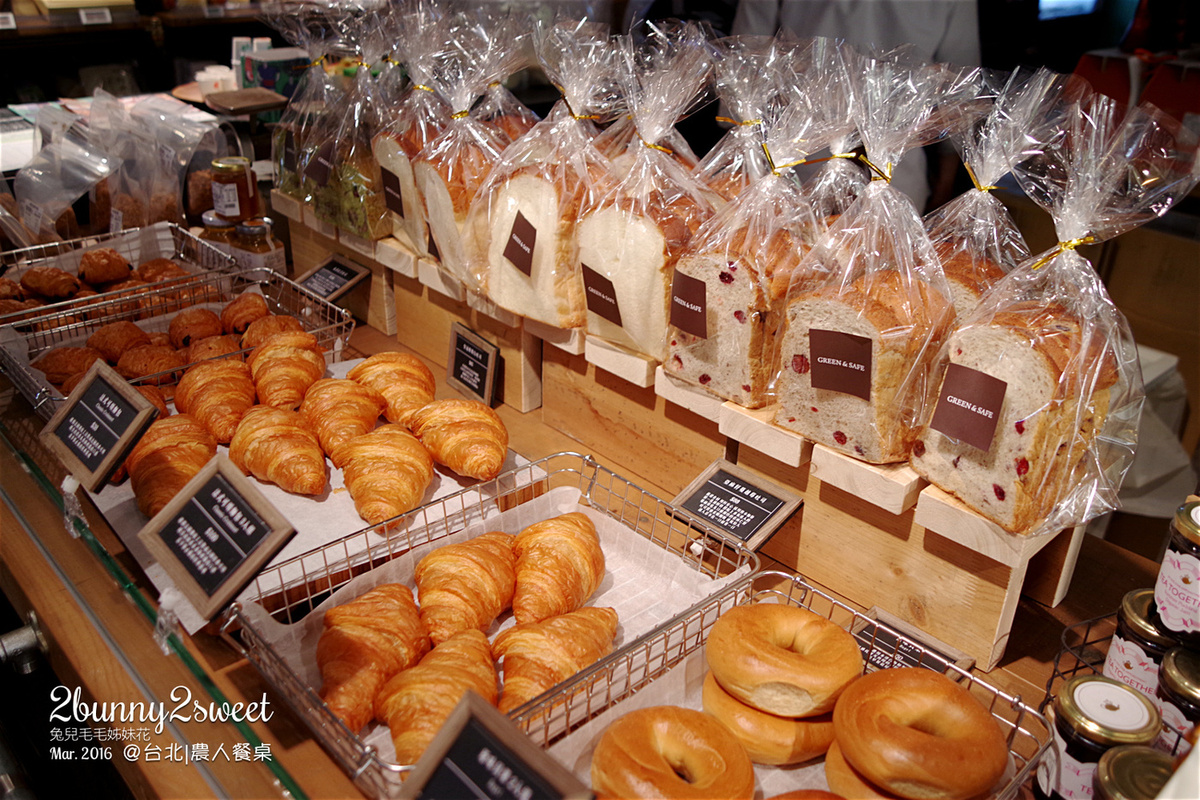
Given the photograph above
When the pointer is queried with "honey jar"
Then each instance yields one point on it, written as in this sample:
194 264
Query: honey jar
234 188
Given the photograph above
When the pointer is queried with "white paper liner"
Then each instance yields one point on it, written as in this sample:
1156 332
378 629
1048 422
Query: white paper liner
645 583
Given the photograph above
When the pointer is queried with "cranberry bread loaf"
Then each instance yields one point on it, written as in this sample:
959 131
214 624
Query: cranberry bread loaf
969 278
905 323
744 282
1055 403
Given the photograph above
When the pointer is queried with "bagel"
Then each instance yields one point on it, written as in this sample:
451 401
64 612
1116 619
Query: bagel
845 781
918 734
782 659
667 751
768 739
807 794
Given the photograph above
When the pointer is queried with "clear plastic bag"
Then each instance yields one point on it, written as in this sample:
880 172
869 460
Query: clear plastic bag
868 308
46 188
1046 341
841 178
631 235
521 241
186 149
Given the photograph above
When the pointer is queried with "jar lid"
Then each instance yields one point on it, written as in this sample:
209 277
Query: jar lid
1187 521
231 164
1135 610
255 226
1132 772
1180 673
211 219
1107 711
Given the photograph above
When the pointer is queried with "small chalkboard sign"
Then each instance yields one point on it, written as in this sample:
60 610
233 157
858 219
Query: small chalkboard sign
333 279
214 535
474 362
98 425
480 753
746 506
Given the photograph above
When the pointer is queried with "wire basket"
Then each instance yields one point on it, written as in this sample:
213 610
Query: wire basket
290 590
71 322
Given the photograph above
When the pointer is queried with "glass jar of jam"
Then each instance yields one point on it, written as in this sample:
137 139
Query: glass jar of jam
255 246
1091 714
1178 698
1138 647
1132 772
1176 607
234 188
217 232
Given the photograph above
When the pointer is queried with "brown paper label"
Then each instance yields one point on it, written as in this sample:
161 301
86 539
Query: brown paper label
320 166
431 246
689 305
391 192
841 362
601 295
521 241
289 151
969 406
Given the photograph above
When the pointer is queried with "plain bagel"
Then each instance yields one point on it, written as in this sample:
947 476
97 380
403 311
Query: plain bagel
667 751
768 739
782 659
918 734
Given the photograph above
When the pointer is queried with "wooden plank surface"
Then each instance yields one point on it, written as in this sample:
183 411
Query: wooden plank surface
637 369
892 487
753 428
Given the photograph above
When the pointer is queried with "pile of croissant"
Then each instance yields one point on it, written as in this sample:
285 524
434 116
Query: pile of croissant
407 663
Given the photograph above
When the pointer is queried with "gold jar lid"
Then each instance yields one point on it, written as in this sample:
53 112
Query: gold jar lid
231 164
1106 711
1180 673
1132 772
1135 610
1187 522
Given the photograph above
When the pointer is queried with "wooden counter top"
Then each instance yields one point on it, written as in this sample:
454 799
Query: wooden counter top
104 643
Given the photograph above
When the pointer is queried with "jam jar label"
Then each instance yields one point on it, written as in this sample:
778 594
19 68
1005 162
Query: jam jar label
225 199
1177 592
1058 774
1175 725
1128 663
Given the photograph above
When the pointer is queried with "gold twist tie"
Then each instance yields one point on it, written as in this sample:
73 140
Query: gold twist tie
422 87
653 146
320 60
880 174
1061 248
459 114
778 168
494 84
571 111
735 122
975 180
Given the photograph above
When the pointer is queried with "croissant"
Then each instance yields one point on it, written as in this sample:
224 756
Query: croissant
150 359
192 325
464 435
217 393
275 445
284 366
403 380
416 702
540 655
559 566
338 410
386 471
158 269
155 396
169 454
465 586
104 265
63 362
243 310
212 347
258 330
115 338
364 643
11 290
49 282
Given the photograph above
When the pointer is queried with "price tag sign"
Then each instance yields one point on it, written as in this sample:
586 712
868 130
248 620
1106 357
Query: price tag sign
746 506
333 279
98 425
8 21
474 362
900 645
215 535
480 753
95 16
214 12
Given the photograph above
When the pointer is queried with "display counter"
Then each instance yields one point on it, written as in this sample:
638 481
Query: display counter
99 641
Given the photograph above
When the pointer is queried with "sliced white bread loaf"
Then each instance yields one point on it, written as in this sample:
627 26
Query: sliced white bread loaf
969 277
905 322
410 227
734 361
1050 415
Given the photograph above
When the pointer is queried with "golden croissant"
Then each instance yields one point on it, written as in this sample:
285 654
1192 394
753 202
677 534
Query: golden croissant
559 566
539 655
464 435
277 446
338 410
218 393
364 643
284 366
258 331
416 702
403 379
237 315
467 585
386 471
170 453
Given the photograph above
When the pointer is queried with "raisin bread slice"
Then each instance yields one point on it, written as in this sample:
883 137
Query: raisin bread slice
1051 414
905 326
